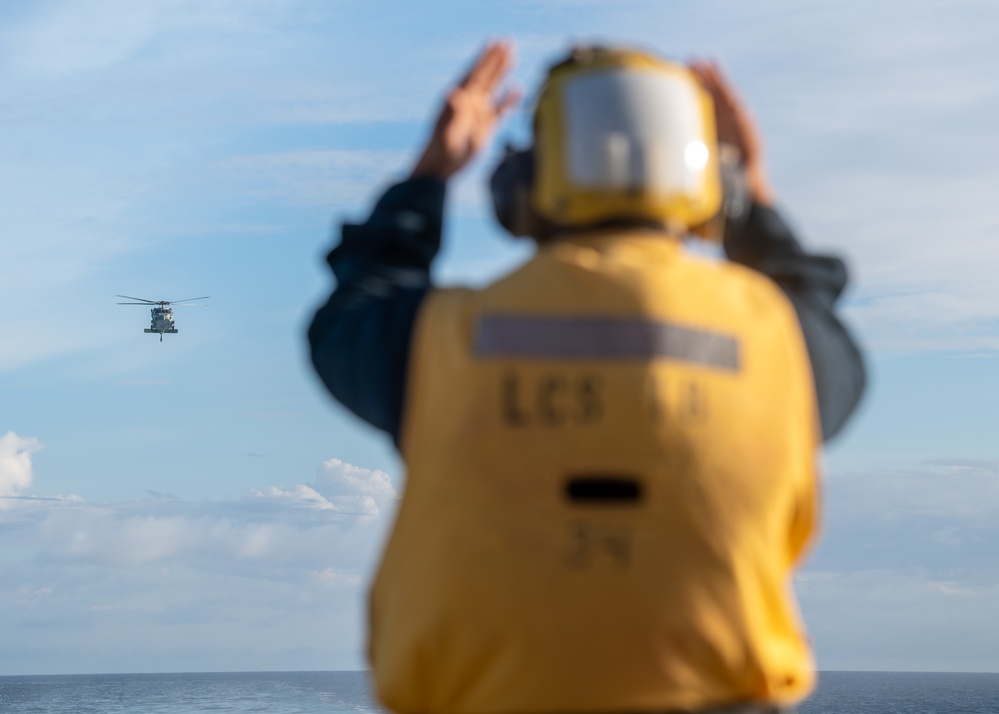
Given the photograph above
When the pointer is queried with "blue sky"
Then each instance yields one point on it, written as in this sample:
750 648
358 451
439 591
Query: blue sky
200 504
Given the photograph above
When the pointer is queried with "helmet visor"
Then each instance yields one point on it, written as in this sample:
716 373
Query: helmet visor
634 130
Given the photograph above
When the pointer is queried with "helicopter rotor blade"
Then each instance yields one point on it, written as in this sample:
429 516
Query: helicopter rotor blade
141 300
177 302
147 304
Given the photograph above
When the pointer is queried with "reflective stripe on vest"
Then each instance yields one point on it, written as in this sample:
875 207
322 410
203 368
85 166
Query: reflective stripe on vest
594 338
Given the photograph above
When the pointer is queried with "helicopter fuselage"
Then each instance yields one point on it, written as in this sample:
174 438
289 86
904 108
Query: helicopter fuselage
162 321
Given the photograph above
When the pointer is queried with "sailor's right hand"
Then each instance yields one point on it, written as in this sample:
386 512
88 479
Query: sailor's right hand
470 114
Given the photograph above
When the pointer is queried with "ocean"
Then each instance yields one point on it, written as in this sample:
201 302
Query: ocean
335 692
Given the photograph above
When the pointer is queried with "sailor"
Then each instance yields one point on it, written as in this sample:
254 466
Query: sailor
612 451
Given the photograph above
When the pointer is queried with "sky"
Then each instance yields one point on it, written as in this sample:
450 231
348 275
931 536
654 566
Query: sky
201 504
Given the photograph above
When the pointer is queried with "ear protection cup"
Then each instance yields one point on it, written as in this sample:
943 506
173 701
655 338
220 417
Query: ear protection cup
735 203
510 186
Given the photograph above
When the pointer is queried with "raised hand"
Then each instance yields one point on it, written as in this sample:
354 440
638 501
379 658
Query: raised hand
470 114
736 127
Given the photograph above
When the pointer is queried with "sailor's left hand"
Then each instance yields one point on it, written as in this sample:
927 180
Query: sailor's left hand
470 114
736 127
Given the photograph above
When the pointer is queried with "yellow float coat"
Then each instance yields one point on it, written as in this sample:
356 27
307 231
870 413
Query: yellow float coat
611 461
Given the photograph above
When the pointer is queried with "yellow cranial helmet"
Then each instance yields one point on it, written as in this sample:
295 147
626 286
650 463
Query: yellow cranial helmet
624 135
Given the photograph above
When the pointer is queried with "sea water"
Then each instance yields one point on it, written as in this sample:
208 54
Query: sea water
904 693
343 692
224 693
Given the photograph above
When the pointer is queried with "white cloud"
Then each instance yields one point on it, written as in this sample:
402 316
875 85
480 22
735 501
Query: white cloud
348 486
341 488
295 558
338 521
16 473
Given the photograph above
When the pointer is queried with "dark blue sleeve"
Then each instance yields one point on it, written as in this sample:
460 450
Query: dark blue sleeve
360 338
813 283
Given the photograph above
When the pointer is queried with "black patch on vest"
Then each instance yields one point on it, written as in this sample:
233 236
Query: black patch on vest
603 489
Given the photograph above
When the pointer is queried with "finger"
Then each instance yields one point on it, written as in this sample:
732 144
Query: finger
476 69
482 68
699 69
723 87
497 69
494 63
708 77
510 99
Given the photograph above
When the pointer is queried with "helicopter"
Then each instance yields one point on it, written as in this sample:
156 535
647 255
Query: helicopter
162 314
